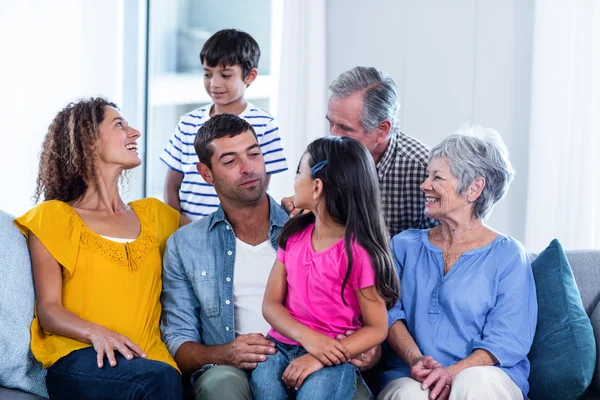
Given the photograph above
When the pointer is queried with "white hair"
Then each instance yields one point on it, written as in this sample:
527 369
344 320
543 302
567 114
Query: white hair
380 98
474 152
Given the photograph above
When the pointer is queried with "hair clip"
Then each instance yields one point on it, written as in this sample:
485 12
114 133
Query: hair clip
317 167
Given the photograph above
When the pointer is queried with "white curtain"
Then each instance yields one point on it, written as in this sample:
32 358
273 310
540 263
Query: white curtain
52 53
564 165
302 99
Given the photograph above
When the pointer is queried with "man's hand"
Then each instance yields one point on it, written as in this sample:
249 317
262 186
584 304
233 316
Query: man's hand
367 359
288 204
299 369
422 367
246 351
326 349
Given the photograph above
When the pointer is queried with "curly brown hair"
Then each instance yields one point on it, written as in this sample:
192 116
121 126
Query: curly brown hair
67 159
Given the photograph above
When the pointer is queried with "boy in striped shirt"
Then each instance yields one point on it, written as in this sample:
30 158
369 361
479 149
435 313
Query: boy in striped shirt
230 60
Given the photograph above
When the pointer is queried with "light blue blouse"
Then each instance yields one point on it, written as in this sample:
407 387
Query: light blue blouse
486 301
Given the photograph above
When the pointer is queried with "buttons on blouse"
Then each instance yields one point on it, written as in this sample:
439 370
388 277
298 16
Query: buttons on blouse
227 302
203 273
227 328
228 279
227 227
229 253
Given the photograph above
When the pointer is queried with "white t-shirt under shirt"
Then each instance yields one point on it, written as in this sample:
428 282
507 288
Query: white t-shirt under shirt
196 197
251 270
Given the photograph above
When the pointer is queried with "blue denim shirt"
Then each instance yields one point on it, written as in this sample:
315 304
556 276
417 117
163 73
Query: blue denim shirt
197 295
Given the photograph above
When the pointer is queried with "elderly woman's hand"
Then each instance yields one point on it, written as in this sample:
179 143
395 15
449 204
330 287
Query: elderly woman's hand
422 367
439 381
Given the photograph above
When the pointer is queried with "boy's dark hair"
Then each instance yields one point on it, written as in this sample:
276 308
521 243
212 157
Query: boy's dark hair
231 47
219 126
352 199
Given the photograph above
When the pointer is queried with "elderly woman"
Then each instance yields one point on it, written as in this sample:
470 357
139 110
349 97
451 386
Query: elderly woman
467 316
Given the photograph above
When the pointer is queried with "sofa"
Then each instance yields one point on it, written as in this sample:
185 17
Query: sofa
22 373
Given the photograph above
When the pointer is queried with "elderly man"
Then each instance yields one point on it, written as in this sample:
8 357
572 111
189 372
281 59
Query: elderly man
216 269
363 106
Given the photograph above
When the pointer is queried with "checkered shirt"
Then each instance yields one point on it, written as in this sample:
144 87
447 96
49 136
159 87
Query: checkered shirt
401 172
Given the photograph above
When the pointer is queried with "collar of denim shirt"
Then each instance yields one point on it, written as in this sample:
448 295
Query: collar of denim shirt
277 215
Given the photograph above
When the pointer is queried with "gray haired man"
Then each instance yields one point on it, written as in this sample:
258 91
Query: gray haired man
363 105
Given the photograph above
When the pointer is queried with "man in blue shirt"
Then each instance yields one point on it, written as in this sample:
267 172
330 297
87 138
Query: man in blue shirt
215 270
202 324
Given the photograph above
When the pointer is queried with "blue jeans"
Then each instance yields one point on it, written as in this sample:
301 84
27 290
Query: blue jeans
330 383
77 376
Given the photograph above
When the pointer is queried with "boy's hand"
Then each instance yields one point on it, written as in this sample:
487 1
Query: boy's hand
327 350
299 369
288 204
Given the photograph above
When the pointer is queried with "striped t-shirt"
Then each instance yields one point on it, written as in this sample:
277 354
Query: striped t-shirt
196 197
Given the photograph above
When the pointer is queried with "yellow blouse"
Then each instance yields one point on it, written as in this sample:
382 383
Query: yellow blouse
112 284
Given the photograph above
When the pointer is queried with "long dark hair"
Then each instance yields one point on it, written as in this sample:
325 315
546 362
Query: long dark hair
352 199
67 159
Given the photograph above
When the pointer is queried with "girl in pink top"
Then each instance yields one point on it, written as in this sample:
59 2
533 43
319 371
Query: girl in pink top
333 273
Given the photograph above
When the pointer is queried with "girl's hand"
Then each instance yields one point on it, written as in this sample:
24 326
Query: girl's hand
327 350
299 369
105 342
366 360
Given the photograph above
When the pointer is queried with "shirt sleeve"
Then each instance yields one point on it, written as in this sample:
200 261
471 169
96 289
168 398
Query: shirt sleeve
172 154
281 255
396 313
363 274
272 148
59 229
169 220
180 321
510 325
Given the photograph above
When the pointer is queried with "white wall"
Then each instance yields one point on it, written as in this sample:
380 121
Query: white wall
52 53
464 61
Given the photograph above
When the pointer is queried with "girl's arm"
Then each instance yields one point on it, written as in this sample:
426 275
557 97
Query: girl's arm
327 350
54 318
375 323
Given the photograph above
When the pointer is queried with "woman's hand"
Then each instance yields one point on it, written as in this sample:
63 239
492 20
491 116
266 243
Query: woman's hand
327 350
105 343
299 369
439 383
422 367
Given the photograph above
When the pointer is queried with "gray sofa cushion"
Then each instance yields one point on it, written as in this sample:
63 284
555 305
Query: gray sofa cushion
18 368
10 394
586 269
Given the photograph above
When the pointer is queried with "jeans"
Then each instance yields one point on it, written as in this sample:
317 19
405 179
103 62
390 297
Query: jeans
77 376
330 383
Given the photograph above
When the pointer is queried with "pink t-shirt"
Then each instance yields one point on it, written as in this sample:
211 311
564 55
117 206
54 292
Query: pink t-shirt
314 284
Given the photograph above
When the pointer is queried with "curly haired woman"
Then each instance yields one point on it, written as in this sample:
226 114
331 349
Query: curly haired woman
97 263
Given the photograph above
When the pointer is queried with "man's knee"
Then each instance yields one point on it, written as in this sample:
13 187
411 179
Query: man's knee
476 383
221 382
403 389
